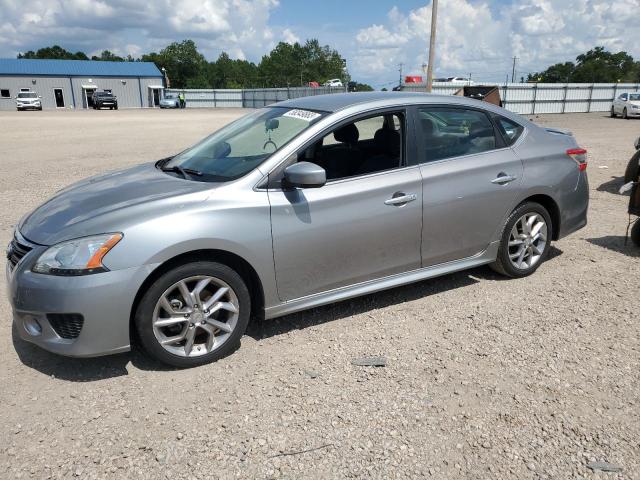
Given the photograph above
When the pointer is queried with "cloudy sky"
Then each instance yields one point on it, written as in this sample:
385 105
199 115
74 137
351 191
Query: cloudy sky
478 37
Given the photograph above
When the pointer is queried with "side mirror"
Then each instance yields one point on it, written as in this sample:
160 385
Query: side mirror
305 175
39 96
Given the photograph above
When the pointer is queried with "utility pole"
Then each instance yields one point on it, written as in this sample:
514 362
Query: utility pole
513 69
400 65
432 44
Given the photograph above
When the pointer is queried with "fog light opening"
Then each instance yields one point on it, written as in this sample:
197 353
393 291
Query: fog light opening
32 326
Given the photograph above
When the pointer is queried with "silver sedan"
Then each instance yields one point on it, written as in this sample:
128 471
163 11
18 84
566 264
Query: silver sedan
299 204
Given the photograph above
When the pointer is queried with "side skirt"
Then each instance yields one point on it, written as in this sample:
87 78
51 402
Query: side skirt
371 286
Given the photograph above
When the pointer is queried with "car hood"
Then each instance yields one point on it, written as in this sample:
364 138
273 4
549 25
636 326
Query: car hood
107 203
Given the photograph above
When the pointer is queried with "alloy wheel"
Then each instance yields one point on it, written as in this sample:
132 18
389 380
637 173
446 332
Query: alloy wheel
195 316
527 241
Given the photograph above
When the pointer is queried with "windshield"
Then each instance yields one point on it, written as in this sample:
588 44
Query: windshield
241 146
170 96
27 95
634 97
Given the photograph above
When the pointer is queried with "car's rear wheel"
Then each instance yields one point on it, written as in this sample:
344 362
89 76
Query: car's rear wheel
193 314
525 241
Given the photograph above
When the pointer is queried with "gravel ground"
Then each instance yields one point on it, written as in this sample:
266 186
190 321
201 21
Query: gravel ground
485 377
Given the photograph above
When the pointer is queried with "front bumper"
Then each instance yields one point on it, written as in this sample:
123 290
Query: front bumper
631 112
104 300
37 105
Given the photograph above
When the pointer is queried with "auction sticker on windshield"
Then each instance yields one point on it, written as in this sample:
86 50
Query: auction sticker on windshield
302 115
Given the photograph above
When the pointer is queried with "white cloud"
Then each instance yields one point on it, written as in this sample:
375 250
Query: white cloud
289 37
240 27
478 36
474 37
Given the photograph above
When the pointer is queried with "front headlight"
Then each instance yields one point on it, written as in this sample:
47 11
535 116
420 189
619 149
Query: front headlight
81 256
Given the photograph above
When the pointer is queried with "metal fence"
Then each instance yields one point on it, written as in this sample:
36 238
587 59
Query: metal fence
247 98
532 98
260 97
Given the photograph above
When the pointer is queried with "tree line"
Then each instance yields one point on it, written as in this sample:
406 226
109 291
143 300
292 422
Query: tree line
596 66
286 65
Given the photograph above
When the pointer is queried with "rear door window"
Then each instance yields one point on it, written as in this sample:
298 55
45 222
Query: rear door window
447 132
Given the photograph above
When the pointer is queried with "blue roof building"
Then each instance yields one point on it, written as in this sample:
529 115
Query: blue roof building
71 83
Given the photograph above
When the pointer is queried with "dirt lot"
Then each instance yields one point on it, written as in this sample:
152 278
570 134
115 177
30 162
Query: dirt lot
486 378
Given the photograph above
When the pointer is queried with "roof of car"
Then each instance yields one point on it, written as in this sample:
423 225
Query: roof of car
339 101
82 68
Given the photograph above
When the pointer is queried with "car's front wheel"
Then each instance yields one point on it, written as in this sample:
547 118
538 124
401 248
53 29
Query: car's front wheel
625 115
613 112
525 241
193 314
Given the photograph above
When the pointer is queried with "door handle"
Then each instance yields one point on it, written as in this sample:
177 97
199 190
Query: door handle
400 198
503 179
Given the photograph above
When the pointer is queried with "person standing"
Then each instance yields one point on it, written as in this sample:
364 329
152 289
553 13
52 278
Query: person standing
181 98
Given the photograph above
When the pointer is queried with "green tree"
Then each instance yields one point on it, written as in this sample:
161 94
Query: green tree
595 66
55 52
185 66
296 65
360 87
108 56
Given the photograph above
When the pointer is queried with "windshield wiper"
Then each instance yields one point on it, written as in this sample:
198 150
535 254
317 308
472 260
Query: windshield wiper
182 171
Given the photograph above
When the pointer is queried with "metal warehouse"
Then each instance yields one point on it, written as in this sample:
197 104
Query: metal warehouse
71 83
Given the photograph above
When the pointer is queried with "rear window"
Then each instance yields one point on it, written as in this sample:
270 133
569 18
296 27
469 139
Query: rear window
510 130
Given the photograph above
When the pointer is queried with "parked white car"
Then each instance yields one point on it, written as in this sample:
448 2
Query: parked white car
334 82
456 80
627 105
28 100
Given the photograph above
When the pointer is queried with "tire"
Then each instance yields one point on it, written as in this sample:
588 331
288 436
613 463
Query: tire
624 114
632 171
179 353
503 263
116 107
613 113
635 233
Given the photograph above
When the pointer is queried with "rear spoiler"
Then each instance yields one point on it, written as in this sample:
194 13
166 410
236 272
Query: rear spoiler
559 131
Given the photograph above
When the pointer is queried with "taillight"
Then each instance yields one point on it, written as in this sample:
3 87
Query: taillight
580 156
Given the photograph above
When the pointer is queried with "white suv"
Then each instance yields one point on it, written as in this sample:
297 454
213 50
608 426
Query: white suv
28 100
334 82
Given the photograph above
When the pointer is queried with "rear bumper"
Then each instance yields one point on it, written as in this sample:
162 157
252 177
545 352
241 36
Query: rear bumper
574 208
104 300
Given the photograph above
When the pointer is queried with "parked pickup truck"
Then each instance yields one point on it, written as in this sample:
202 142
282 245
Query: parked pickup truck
104 100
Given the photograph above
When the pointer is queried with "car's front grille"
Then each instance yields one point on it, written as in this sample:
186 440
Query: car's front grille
66 325
16 252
